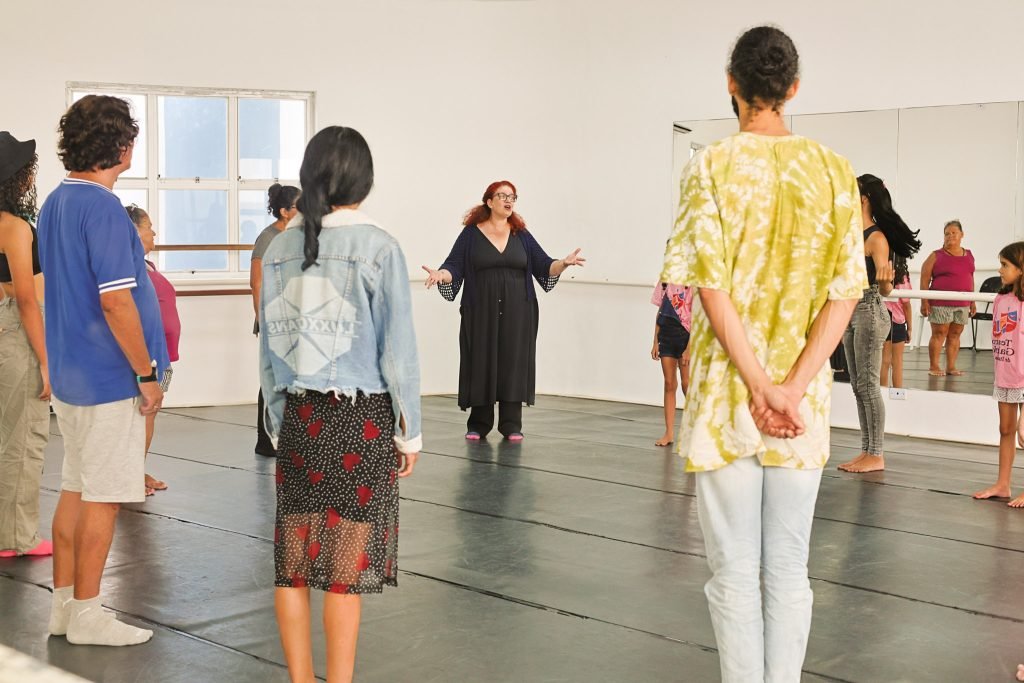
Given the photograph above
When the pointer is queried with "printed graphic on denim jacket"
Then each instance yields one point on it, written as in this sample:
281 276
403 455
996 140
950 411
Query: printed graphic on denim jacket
310 324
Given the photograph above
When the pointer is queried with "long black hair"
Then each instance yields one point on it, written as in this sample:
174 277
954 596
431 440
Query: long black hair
337 170
903 242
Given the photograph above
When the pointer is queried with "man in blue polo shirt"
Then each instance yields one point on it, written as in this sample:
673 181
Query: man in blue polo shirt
105 342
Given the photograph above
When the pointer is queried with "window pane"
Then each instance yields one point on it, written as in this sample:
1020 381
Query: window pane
139 198
193 217
271 138
193 137
138 107
252 218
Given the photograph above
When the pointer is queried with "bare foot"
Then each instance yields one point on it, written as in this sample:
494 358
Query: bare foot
1017 502
154 483
845 467
665 440
868 463
954 372
1020 672
996 491
936 373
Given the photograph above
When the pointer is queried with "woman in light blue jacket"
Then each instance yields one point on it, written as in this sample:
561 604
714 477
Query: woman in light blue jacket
340 375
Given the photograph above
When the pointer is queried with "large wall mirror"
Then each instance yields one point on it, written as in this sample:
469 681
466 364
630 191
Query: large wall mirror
963 161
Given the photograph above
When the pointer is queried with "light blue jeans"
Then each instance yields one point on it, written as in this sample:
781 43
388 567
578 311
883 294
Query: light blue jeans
756 523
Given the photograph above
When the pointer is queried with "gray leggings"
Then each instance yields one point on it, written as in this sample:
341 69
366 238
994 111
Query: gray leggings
863 341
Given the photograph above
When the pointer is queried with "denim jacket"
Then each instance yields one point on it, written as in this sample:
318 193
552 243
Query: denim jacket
342 325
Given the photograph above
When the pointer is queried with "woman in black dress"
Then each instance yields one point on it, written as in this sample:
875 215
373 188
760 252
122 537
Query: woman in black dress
494 257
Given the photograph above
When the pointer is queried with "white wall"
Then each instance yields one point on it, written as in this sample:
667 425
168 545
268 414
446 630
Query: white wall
572 99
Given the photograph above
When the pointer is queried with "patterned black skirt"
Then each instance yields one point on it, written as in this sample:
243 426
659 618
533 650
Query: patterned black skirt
337 494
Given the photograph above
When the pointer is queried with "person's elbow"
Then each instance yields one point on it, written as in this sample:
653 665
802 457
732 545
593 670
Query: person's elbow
25 297
845 306
708 294
114 302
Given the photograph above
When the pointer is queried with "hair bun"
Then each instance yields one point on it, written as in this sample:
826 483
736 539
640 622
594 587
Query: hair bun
772 61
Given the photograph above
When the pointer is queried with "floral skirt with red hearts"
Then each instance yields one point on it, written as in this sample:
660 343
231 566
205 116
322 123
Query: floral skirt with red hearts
337 494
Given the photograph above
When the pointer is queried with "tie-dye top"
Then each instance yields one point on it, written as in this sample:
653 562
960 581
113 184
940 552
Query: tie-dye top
775 223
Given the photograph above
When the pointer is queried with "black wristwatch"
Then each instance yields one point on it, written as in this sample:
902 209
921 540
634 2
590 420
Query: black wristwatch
151 377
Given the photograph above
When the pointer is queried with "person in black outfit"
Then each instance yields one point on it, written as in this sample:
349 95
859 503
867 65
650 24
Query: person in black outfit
495 256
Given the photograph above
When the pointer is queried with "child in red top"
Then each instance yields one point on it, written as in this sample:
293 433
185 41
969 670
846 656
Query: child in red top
1008 358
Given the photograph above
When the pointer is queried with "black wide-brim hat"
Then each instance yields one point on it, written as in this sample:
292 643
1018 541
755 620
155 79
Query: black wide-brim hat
14 154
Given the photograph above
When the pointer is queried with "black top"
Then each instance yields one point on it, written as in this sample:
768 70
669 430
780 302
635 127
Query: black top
868 261
5 268
498 336
459 264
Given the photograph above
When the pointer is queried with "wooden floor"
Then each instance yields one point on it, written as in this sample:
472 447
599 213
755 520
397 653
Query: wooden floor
575 556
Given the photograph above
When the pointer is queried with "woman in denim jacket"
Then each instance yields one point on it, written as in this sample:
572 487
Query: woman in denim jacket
340 376
497 258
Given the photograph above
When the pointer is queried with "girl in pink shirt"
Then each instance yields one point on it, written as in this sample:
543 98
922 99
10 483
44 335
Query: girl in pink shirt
899 328
1008 358
671 343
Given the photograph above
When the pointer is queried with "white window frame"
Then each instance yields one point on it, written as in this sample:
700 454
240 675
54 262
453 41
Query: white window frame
233 184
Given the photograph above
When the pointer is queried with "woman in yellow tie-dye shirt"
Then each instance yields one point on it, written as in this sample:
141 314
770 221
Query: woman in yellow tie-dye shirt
769 233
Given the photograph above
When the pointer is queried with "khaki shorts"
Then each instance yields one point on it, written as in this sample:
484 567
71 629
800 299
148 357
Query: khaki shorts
944 315
104 450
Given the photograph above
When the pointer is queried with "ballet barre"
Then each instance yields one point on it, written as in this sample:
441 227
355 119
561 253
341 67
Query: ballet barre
934 295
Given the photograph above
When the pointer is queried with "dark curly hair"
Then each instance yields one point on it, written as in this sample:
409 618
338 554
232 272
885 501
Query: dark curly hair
94 133
764 64
18 193
281 197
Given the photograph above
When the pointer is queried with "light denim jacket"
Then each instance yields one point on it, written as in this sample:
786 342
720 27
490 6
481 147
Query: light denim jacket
344 325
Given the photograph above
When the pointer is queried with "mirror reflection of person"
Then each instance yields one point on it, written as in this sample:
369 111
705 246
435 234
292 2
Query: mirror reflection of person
497 259
281 204
950 269
900 328
769 234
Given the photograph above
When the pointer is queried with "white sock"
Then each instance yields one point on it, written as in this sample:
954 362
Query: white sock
90 625
60 610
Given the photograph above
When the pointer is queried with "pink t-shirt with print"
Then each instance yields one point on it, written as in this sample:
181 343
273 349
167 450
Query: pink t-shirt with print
1007 343
681 299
